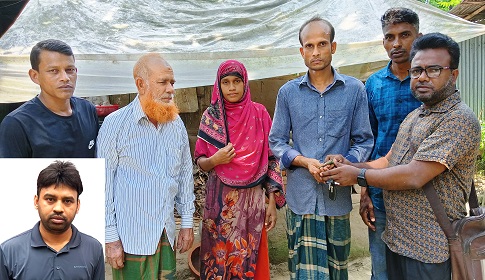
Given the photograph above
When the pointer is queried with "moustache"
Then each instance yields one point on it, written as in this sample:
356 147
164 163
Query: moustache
397 50
423 84
57 217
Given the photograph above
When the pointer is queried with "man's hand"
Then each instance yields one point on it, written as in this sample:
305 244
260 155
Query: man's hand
115 254
366 209
271 217
311 164
224 155
185 239
330 163
338 158
345 175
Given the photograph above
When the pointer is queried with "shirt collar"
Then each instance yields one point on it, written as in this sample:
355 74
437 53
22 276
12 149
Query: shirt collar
138 113
443 106
336 77
37 241
391 75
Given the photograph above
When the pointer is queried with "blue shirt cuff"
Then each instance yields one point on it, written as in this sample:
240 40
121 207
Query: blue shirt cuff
351 158
111 234
288 157
187 220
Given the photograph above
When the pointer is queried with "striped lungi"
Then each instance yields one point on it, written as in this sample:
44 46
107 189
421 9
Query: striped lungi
319 246
161 265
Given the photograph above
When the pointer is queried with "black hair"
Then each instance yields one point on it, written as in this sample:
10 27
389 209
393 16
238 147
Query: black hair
48 45
60 172
400 15
313 19
437 41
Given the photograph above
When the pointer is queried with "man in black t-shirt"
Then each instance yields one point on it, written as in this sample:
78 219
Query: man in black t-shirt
54 124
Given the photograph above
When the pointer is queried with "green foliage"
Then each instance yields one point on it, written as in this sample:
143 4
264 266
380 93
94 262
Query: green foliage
444 5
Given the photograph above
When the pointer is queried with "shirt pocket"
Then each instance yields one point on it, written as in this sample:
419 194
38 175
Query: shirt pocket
338 122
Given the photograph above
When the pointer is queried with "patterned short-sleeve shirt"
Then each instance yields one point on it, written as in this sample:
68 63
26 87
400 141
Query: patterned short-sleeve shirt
448 133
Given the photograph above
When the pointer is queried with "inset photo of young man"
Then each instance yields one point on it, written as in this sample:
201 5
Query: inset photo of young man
52 219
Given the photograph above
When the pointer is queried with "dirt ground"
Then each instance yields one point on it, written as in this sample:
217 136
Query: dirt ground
359 267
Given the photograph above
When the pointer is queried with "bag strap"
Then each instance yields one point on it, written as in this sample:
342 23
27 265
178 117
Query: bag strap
439 210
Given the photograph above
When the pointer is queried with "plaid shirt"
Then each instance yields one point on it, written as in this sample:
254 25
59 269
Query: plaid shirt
390 101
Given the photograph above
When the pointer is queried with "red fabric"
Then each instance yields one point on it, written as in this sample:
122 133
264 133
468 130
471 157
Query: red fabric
262 265
245 124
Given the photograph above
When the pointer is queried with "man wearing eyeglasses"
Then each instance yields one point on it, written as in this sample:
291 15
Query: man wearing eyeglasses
437 142
390 101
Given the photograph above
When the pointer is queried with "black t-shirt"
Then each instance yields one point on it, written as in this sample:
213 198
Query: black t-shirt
33 131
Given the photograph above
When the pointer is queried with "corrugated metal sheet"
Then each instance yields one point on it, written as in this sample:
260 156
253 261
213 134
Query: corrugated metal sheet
471 80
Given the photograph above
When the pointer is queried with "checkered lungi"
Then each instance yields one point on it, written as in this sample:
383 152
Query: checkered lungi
319 246
161 265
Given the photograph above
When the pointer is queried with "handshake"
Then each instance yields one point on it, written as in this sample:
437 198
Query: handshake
335 171
323 172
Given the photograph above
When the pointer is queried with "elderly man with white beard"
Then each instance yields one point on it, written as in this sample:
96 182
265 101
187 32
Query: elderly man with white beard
148 170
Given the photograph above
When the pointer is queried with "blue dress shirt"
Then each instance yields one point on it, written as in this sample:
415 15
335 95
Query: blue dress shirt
390 101
148 170
335 121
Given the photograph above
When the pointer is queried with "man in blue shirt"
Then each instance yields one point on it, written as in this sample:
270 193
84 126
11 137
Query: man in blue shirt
148 170
390 100
323 113
54 248
54 124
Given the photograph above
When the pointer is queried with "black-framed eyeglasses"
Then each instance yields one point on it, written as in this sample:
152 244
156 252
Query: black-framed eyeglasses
433 71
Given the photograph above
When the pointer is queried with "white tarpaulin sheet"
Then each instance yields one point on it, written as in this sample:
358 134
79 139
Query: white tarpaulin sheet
108 36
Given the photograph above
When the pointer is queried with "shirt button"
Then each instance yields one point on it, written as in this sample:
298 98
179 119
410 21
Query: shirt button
58 268
320 139
321 117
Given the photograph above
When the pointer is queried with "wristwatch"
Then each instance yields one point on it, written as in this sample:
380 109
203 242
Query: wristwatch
361 178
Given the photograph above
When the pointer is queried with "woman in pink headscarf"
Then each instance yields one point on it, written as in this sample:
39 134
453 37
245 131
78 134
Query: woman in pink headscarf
233 147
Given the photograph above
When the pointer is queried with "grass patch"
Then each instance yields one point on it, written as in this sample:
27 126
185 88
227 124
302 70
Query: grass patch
278 249
357 252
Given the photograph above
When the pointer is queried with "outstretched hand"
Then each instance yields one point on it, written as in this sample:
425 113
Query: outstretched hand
330 163
337 158
343 174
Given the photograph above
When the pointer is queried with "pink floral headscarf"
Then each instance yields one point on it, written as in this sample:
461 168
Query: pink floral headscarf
246 125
